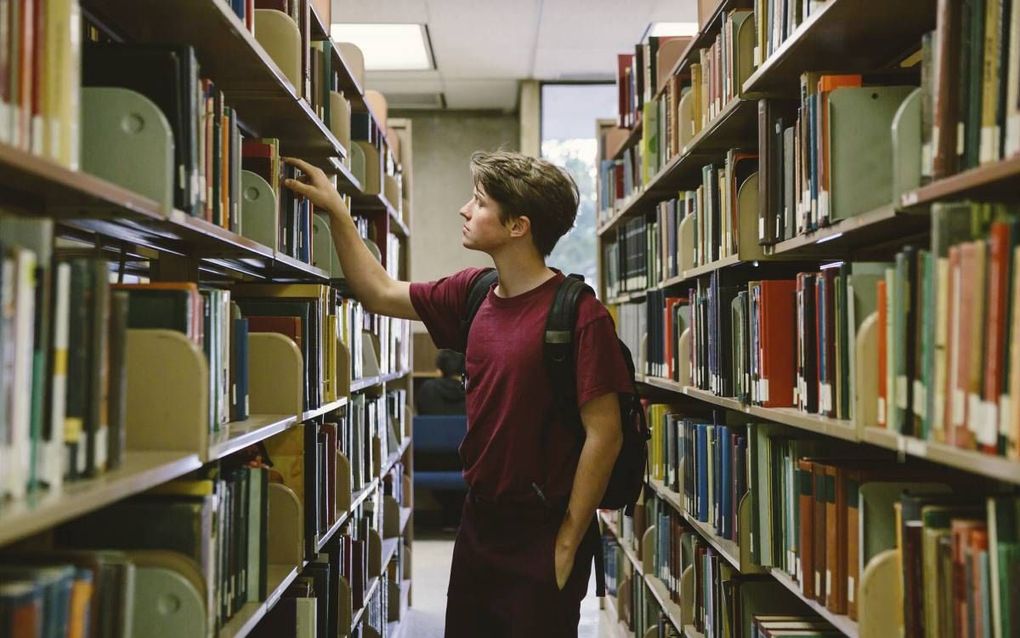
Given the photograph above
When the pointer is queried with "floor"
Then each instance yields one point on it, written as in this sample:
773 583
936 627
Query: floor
430 574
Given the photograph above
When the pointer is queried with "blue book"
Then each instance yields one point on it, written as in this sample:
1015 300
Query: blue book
724 488
701 469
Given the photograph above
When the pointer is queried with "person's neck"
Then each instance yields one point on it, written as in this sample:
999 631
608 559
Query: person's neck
520 272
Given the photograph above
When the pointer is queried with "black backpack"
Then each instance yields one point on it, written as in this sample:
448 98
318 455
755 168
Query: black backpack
628 475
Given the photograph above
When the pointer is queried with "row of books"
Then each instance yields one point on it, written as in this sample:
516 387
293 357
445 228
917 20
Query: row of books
293 221
776 20
641 75
822 512
634 605
213 526
946 317
971 83
40 65
695 228
722 601
690 102
812 152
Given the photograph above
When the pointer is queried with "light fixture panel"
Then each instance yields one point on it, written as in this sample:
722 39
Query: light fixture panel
388 46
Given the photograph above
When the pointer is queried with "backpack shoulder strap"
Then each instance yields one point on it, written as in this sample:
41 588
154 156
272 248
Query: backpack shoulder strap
558 349
476 295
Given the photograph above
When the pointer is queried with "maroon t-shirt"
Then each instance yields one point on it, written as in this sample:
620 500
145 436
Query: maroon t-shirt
509 396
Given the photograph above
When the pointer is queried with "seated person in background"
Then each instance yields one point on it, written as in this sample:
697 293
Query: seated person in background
444 395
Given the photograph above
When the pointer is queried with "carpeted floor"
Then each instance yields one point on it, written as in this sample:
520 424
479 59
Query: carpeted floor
430 565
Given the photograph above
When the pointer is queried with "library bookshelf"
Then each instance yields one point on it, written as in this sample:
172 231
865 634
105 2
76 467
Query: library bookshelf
326 410
719 185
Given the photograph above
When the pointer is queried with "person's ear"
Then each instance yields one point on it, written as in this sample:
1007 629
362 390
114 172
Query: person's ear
519 226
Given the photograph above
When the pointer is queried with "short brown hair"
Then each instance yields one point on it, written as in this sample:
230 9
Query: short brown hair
528 187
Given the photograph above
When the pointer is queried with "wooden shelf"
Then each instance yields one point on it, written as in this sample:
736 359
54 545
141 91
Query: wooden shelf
709 268
238 435
373 586
245 620
723 402
615 627
361 203
632 138
624 545
358 385
389 550
726 548
735 127
996 180
405 518
661 595
139 472
994 467
234 60
628 297
839 621
308 415
42 187
843 36
860 231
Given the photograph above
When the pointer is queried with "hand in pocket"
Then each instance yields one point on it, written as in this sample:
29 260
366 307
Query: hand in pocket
563 559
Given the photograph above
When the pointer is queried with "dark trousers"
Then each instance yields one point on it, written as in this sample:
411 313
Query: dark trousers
503 576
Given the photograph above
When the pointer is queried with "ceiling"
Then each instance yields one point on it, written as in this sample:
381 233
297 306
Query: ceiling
484 47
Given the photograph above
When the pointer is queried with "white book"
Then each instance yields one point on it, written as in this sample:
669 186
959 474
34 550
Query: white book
21 392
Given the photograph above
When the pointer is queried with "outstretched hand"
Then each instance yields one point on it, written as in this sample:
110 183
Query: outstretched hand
315 186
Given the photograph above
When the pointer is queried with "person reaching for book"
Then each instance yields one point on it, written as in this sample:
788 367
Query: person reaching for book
523 553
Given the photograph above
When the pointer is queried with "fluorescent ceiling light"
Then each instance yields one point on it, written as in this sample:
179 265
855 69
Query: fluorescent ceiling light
388 47
671 28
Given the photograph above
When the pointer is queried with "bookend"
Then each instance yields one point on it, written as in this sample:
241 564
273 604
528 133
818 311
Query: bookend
371 184
865 384
357 155
880 609
906 145
745 518
393 594
259 212
167 392
344 495
391 189
355 60
343 369
369 632
860 152
369 358
391 517
687 596
647 550
686 243
684 346
276 374
374 553
748 248
685 118
285 534
345 603
652 632
340 120
323 249
126 139
166 603
280 37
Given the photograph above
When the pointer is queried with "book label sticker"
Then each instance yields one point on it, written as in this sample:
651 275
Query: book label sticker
959 408
881 409
850 589
975 414
920 406
901 392
828 581
915 447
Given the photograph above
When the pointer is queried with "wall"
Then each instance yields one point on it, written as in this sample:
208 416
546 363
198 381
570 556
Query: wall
441 183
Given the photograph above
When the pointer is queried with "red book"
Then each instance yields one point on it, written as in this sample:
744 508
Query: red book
995 335
286 326
623 64
778 334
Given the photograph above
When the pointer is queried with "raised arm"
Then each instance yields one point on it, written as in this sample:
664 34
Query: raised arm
369 281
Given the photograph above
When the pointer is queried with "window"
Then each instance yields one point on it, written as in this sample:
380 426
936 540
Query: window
569 112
